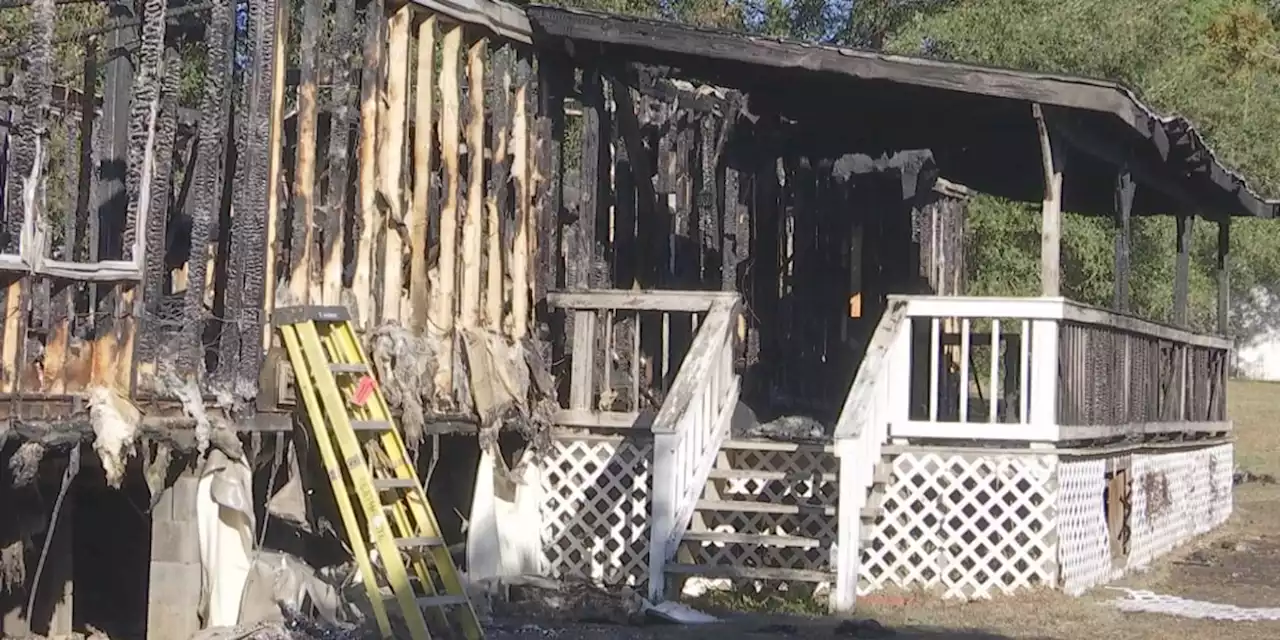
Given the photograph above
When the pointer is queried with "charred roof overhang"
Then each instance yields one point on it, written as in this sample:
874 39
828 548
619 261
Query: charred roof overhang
977 120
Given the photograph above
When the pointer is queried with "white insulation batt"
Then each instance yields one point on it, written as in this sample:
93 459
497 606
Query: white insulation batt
115 429
504 534
225 519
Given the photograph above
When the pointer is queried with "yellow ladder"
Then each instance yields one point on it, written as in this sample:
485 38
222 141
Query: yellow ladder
363 452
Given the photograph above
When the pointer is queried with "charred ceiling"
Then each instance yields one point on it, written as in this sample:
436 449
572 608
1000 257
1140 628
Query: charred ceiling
977 120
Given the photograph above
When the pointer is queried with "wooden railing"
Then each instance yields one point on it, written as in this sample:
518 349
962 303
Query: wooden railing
1052 370
878 391
692 418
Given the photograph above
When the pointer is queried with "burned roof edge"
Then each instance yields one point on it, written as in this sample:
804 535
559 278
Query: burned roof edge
1166 133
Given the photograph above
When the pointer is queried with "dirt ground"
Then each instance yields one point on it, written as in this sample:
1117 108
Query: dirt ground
1239 564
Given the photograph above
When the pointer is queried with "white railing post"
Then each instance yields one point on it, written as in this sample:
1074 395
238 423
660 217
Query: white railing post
848 528
1043 408
662 508
879 396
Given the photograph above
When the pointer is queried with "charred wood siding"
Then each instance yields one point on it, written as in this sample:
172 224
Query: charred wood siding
677 187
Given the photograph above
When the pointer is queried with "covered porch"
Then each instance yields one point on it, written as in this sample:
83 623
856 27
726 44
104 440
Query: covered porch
975 446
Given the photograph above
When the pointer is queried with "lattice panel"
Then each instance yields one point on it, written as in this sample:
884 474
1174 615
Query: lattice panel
596 512
1084 544
1177 496
973 525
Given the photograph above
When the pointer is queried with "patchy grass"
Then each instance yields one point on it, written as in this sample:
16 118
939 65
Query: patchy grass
1254 407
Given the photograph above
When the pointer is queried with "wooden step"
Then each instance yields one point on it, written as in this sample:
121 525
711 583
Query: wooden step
882 475
731 537
749 573
763 540
742 506
771 476
762 444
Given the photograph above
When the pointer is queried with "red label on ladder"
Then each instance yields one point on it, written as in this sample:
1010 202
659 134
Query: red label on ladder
364 389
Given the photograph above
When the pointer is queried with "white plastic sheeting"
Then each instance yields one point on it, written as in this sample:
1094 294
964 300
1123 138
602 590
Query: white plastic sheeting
1149 602
504 532
225 520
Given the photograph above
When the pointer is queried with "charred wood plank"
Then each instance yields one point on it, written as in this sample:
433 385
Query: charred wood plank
1182 270
499 223
585 269
29 139
240 345
302 241
472 223
367 188
705 190
524 242
419 214
215 110
443 296
1125 187
154 281
1224 277
340 48
392 119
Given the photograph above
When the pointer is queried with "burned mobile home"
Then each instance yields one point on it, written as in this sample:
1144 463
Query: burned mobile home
576 244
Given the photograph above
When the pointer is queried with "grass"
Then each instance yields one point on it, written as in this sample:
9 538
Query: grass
1252 406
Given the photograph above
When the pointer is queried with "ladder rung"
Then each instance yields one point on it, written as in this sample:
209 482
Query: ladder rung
370 425
394 483
348 367
426 602
418 542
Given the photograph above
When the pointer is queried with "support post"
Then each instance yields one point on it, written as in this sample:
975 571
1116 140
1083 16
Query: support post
174 598
1224 276
1125 188
1182 271
1050 211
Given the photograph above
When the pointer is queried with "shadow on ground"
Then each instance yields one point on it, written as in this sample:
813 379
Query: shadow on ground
738 626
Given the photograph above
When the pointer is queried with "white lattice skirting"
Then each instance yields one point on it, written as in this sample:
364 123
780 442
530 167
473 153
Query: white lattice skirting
595 518
970 525
976 526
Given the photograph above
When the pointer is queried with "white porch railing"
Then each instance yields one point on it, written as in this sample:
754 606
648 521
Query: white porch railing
687 434
1015 371
1052 370
693 419
878 392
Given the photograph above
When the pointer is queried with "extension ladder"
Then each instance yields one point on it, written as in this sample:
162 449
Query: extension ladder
363 453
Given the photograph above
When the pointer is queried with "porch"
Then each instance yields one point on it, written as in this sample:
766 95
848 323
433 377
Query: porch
1039 475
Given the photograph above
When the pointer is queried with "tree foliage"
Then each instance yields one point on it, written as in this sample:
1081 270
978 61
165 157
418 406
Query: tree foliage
1214 61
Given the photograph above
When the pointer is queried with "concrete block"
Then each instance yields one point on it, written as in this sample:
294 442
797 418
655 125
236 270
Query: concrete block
184 498
174 601
175 542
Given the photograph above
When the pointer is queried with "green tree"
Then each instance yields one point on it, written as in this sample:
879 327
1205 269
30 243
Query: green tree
1214 61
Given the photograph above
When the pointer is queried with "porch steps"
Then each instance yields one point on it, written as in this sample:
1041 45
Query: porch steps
768 513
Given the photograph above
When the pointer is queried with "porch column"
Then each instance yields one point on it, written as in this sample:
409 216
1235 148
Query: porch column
1182 271
1224 276
1125 188
174 596
1050 210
